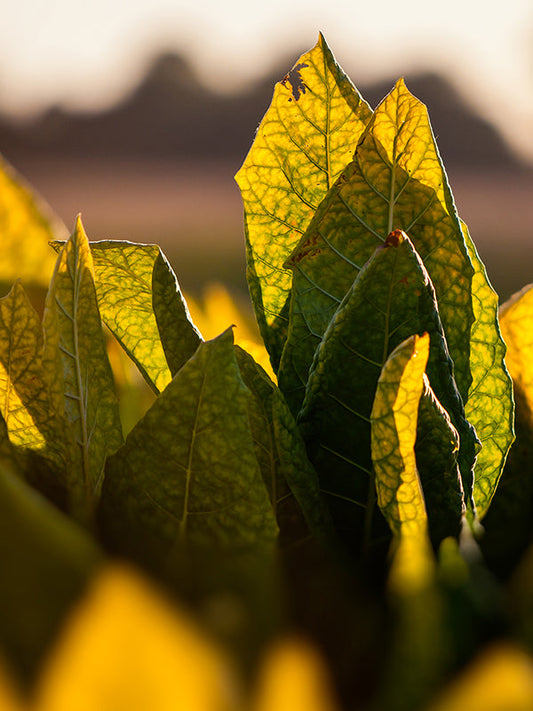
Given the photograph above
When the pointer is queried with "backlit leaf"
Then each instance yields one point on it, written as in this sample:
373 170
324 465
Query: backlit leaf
391 299
511 506
415 666
489 406
24 404
185 492
307 136
394 420
140 301
80 376
396 181
125 648
26 228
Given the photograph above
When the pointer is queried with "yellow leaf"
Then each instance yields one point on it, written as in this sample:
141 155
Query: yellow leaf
124 648
293 678
9 697
217 311
501 679
26 227
516 323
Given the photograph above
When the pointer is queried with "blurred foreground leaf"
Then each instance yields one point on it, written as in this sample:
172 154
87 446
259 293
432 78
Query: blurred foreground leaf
127 649
185 497
26 227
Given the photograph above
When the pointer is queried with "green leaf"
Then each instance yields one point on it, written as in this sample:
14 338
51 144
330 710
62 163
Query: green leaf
184 496
391 300
307 136
26 227
80 377
291 480
489 406
396 181
46 562
141 303
436 449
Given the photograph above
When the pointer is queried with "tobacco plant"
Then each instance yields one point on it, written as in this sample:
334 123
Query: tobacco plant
361 495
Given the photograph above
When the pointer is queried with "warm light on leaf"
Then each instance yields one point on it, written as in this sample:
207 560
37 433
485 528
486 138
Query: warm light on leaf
307 136
293 677
500 679
80 377
516 322
217 311
26 228
393 426
125 648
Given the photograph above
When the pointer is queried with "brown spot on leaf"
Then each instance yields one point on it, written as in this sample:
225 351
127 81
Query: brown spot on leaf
395 238
294 78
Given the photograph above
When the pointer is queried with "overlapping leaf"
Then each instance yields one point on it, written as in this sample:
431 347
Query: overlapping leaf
396 180
26 227
80 378
306 138
186 486
290 478
394 420
511 506
141 303
419 652
436 449
391 300
25 404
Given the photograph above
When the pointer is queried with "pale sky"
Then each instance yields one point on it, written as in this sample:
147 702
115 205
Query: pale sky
83 53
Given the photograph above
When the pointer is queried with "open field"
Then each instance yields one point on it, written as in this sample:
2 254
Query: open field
194 212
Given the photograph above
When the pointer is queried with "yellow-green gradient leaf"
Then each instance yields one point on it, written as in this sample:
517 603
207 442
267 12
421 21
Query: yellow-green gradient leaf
307 136
125 648
396 181
80 374
141 303
26 227
489 406
24 401
394 420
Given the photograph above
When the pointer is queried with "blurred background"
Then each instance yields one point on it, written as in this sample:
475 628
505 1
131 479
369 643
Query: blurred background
138 113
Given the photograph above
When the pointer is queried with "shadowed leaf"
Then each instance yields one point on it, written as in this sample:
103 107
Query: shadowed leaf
185 496
391 300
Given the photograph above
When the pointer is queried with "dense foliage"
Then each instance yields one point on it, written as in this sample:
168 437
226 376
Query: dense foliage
360 494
